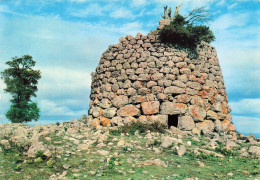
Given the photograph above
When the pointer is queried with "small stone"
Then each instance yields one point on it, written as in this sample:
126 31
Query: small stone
201 164
102 152
121 143
156 162
181 150
230 174
66 166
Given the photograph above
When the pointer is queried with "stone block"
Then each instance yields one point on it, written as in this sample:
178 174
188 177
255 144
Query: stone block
212 115
150 108
186 123
128 110
169 108
173 90
120 101
197 113
205 125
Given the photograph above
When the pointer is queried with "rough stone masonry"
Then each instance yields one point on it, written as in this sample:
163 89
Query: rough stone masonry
142 79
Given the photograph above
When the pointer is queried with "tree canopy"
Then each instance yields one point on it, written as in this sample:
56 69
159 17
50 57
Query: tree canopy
21 82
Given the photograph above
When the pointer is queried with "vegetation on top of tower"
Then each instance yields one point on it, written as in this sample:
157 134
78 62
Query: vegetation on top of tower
187 31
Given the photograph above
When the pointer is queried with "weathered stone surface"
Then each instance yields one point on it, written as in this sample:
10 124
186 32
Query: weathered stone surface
212 115
110 112
181 150
105 103
169 108
183 98
155 162
197 113
105 121
168 141
120 101
186 123
255 151
205 125
150 108
128 110
173 90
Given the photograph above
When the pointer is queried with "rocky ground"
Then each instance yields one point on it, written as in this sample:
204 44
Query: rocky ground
72 150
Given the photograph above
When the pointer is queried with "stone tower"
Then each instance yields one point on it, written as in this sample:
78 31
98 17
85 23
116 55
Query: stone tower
142 79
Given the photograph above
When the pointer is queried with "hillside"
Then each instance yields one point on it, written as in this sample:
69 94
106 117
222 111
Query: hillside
73 150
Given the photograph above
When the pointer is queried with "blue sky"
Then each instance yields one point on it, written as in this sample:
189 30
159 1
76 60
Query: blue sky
67 38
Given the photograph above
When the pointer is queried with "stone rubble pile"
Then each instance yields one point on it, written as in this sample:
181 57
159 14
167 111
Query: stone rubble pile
141 79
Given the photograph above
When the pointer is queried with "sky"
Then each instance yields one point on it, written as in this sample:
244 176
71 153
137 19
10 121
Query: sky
67 38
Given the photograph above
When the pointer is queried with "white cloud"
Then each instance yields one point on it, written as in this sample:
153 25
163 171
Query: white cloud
49 108
246 106
229 20
122 13
232 6
247 124
221 2
92 10
139 2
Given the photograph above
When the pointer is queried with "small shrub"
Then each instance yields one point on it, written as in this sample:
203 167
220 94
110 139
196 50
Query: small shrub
227 152
111 163
29 161
40 154
17 158
37 160
50 163
18 167
128 148
185 34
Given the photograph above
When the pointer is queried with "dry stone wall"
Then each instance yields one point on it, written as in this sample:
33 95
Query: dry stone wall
142 79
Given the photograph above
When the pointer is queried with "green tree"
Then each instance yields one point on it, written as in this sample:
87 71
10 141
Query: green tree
21 82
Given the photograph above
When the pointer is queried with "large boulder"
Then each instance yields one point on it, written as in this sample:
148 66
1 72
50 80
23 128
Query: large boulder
186 123
169 108
197 113
150 108
128 110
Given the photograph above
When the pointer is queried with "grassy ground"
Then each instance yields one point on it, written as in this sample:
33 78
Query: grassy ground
126 162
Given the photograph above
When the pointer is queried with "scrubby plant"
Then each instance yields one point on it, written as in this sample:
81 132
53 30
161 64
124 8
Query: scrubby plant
188 31
38 159
50 163
40 154
18 167
29 161
227 152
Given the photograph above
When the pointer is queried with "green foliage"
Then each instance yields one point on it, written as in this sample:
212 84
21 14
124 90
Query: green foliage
40 154
128 148
14 148
18 167
38 160
29 161
50 163
227 152
21 82
185 34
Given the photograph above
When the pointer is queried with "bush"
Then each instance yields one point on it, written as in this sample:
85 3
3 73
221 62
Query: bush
185 34
50 163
